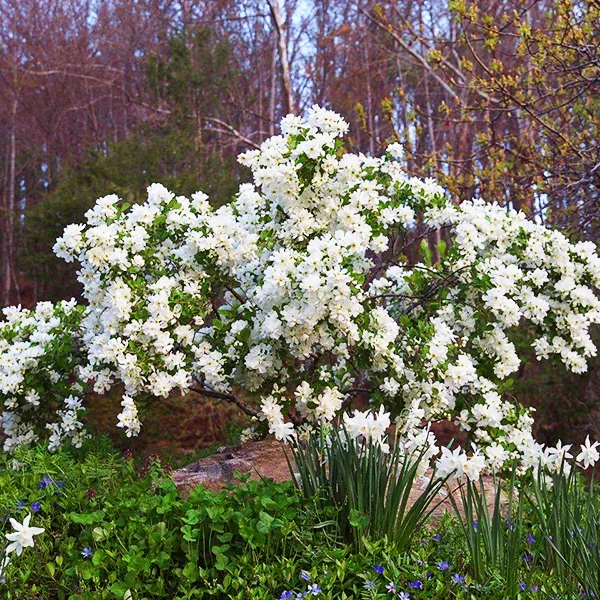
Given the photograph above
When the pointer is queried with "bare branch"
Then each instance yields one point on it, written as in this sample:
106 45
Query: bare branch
210 393
232 131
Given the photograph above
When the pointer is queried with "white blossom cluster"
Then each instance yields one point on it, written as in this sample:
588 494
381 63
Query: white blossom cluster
39 387
370 427
505 271
299 295
148 275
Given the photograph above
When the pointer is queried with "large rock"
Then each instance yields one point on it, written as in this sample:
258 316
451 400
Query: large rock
267 459
259 459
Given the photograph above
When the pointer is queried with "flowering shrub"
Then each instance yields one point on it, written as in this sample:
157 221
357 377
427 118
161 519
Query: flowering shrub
300 294
40 354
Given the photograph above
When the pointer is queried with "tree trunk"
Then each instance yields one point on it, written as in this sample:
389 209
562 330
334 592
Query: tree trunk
8 217
280 29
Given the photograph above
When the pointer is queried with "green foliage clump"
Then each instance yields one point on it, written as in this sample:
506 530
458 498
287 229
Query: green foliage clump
117 530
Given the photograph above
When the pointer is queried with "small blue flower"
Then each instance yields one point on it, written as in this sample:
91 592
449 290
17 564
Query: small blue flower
46 481
378 569
510 524
528 557
287 595
437 537
404 596
60 484
301 595
391 587
475 525
530 539
443 565
86 552
534 588
305 575
21 503
416 584
35 506
370 584
314 589
522 586
457 578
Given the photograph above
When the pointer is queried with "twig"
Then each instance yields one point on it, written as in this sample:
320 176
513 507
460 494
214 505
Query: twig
210 393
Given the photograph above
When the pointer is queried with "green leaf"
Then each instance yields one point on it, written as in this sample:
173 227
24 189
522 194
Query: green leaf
99 534
119 589
357 520
190 572
87 518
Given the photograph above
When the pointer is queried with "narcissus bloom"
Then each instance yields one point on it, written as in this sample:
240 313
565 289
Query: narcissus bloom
22 537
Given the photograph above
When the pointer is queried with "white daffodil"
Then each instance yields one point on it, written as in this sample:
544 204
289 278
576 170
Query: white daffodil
22 537
588 456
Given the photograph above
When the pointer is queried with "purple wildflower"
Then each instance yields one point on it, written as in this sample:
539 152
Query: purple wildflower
86 552
443 565
314 589
370 584
46 481
378 569
35 506
416 584
457 578
287 595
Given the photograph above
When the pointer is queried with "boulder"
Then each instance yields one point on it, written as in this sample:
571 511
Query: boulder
260 459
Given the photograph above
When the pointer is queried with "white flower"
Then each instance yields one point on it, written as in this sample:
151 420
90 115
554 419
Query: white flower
588 456
559 455
22 537
4 566
390 387
128 417
474 466
451 463
283 431
396 151
496 455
